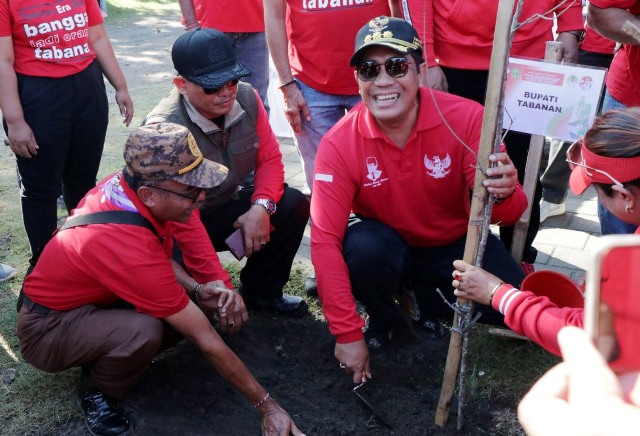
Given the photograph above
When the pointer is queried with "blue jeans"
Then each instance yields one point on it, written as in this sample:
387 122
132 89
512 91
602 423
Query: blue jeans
252 52
326 110
609 223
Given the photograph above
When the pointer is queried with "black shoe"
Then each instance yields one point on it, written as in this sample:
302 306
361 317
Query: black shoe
287 305
102 415
311 286
377 341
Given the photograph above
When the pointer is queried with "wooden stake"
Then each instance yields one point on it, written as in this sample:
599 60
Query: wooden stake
491 125
552 54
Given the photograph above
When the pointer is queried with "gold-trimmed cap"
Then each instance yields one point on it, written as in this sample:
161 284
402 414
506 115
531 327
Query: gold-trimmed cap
395 33
166 151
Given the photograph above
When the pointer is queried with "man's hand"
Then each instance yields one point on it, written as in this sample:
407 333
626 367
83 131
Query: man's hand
502 179
294 105
21 140
354 357
256 226
276 421
433 77
214 297
569 48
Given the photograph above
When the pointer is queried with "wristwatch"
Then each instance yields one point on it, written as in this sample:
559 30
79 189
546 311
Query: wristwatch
269 205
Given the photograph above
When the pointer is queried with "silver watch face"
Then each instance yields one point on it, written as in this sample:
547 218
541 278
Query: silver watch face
269 205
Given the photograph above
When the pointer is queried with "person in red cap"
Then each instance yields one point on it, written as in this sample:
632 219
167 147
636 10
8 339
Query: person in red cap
609 158
107 297
407 176
618 20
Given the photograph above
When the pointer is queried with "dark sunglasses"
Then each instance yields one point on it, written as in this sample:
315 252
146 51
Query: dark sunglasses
192 194
395 67
210 91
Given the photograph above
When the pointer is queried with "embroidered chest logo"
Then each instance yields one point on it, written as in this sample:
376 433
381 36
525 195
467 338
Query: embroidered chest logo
436 167
373 173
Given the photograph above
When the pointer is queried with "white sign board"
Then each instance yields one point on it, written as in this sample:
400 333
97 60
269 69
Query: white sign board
553 100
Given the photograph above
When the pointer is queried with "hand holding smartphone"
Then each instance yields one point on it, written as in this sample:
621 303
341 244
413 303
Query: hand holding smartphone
235 242
612 300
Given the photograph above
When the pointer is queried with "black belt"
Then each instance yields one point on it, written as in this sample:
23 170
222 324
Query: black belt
35 307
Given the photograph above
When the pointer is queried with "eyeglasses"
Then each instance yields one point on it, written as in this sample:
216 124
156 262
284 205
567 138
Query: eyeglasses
587 167
211 91
395 67
192 194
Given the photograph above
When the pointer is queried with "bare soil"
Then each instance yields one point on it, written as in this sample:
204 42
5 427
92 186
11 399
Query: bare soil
181 394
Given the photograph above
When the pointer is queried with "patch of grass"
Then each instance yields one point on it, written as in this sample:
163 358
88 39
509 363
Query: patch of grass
118 9
501 365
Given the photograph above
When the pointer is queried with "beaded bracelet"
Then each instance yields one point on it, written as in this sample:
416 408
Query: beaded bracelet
196 292
261 402
493 292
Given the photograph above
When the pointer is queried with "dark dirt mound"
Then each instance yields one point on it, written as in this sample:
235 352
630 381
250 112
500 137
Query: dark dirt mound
181 394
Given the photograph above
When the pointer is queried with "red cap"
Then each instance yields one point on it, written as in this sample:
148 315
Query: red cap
601 169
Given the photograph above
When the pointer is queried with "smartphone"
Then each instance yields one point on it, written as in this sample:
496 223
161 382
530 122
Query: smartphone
235 242
612 300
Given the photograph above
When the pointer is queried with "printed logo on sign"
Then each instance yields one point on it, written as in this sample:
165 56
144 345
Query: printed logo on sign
572 80
586 83
437 168
373 173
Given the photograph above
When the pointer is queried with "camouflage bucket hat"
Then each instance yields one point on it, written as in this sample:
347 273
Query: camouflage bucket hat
165 151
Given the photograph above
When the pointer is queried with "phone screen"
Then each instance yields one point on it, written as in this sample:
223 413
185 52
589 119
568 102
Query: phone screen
612 301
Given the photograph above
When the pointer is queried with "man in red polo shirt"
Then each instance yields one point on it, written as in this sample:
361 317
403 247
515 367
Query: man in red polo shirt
407 176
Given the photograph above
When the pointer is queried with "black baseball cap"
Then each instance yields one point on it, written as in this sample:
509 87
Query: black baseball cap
207 58
395 33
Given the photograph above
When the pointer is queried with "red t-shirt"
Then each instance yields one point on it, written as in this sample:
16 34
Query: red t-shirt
230 15
596 43
103 263
623 80
322 38
420 15
50 39
422 191
463 30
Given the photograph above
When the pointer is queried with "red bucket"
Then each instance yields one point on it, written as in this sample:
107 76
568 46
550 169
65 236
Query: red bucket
560 289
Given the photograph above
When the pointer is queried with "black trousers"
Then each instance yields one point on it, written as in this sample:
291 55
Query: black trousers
266 271
380 261
472 84
68 117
